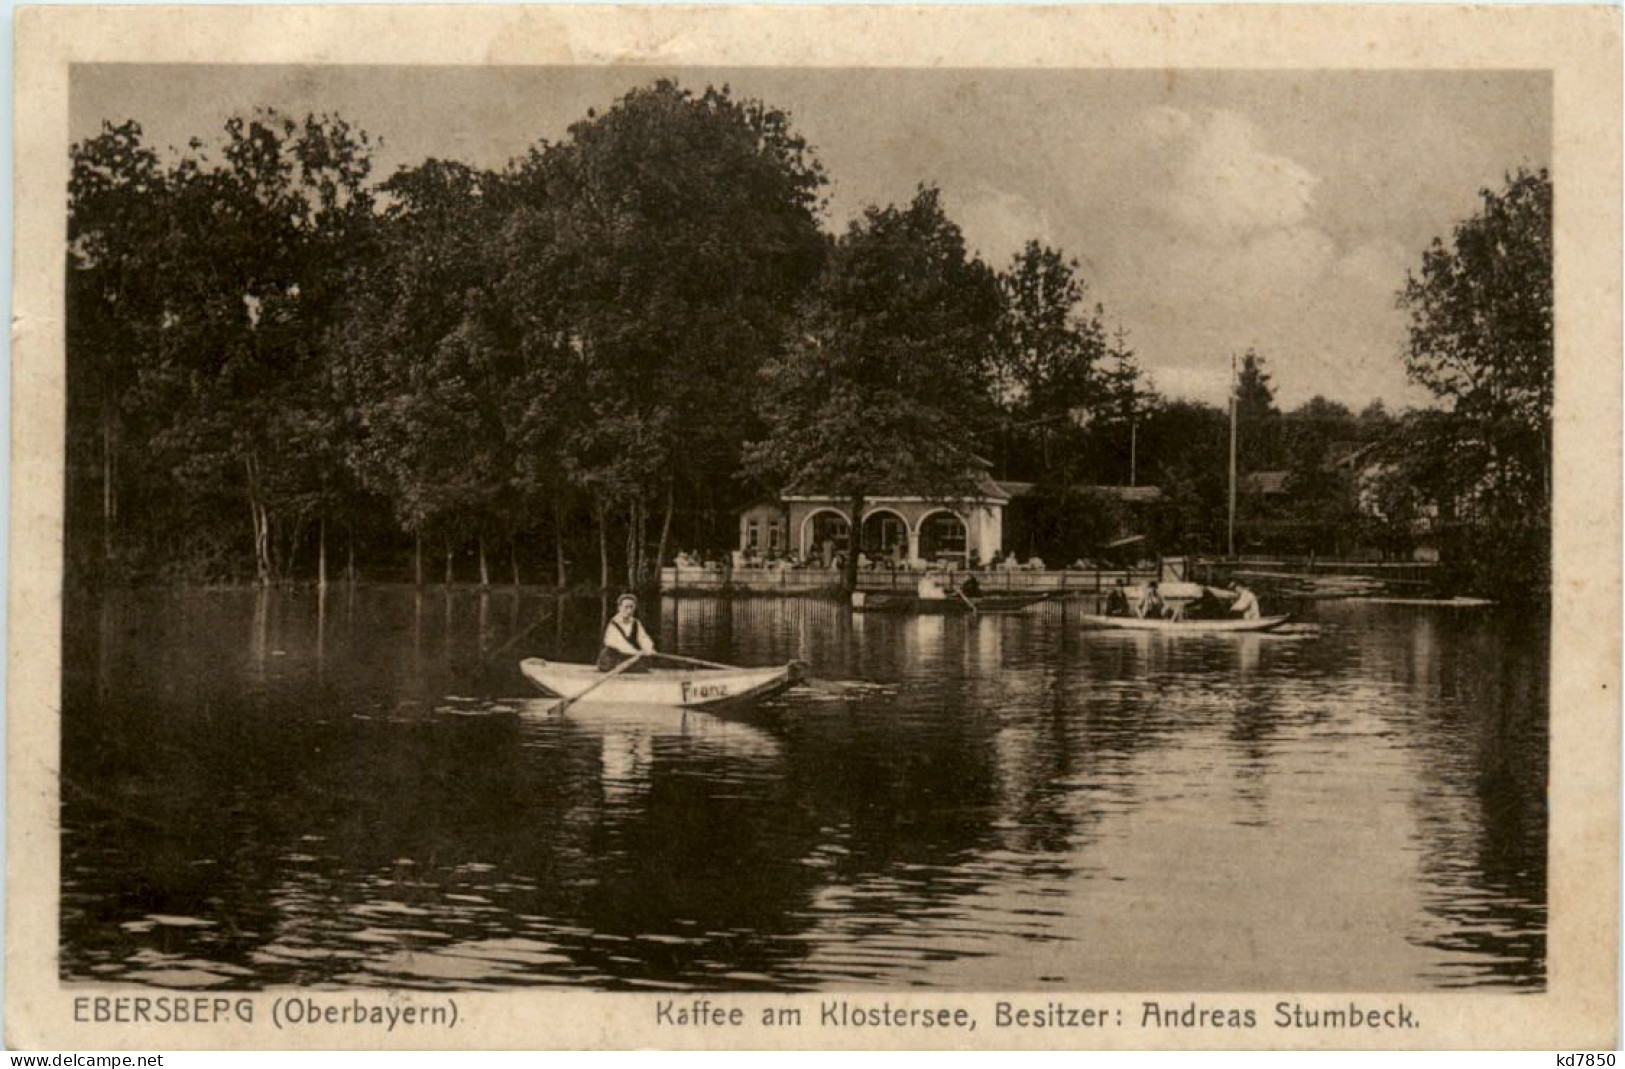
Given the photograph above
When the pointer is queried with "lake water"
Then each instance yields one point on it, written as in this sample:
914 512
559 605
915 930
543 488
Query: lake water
274 788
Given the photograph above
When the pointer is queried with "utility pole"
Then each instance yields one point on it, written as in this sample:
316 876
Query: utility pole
1231 529
1122 354
1133 436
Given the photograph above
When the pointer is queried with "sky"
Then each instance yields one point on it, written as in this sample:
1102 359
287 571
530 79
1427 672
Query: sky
1210 211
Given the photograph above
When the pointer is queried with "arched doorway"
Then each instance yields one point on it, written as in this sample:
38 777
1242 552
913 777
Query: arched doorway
942 538
824 534
885 536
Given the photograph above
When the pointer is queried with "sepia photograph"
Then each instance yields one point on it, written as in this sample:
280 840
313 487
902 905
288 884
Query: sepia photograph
881 533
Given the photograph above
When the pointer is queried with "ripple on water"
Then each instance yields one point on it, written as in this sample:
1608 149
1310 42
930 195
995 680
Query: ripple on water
993 804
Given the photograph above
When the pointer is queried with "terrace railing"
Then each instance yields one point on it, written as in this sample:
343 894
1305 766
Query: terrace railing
677 580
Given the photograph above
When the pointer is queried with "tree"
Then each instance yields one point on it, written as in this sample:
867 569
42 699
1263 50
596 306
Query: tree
118 219
889 368
1183 444
1480 338
1052 347
428 365
1257 419
685 232
252 273
1130 396
1481 333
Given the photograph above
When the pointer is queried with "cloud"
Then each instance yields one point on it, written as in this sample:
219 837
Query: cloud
997 223
1165 124
1226 185
1379 264
1222 217
1217 246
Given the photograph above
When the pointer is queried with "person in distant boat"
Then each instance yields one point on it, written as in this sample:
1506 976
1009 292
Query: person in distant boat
1209 606
624 636
1246 604
1117 600
1151 603
971 588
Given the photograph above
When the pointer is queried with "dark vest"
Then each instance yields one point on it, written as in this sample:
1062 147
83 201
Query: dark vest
631 639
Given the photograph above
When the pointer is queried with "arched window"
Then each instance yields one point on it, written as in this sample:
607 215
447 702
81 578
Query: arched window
942 537
885 534
825 533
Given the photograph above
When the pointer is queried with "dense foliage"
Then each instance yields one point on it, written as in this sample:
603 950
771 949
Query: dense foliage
1481 341
601 351
888 366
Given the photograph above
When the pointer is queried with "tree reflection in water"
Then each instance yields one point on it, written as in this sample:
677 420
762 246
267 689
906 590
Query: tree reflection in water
276 787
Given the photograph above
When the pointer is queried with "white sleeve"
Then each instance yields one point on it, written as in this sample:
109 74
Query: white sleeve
645 642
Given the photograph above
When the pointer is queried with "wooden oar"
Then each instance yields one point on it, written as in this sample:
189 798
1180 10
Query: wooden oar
974 610
515 638
827 686
607 676
690 660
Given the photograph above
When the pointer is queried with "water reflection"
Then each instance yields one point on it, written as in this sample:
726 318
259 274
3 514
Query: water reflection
356 788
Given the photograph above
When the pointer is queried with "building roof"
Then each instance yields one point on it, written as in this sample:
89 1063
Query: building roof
1134 495
986 488
1130 495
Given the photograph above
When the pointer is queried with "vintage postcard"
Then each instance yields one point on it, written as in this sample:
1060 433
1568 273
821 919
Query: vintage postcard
801 527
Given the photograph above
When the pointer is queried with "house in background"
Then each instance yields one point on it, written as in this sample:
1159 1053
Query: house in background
905 528
912 530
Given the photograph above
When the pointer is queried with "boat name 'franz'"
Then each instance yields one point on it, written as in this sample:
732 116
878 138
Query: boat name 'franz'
693 691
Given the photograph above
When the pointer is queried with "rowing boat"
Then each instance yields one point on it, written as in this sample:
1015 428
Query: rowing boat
687 688
949 606
1185 627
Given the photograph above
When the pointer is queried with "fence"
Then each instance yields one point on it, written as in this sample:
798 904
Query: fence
824 581
1415 573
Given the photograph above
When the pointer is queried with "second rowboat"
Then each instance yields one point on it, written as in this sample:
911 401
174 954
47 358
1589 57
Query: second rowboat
1184 627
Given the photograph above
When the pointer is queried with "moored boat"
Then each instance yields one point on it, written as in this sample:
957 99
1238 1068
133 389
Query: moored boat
685 688
1185 627
953 605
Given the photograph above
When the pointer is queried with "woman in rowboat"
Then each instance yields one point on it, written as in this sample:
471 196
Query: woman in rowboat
1246 604
624 637
1151 604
